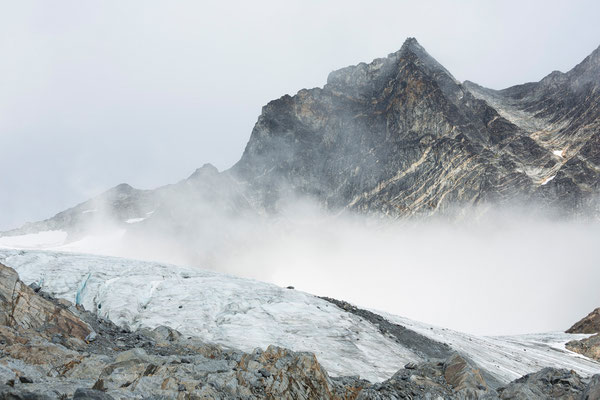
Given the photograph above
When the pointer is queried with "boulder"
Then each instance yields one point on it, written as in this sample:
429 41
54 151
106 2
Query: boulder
549 383
589 347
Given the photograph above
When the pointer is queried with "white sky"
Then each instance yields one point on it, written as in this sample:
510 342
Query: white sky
93 94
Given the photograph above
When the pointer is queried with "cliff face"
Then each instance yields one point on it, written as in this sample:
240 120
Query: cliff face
561 113
401 136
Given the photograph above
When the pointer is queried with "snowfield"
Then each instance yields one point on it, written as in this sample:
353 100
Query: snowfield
92 243
46 239
245 314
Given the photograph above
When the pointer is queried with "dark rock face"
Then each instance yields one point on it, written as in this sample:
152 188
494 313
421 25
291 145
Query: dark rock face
419 344
588 324
561 113
399 135
454 378
593 389
548 383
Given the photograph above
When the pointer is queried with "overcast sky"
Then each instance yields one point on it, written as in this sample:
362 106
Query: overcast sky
93 94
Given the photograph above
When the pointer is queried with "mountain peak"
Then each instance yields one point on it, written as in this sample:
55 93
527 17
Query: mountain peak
411 42
379 70
206 170
121 188
412 47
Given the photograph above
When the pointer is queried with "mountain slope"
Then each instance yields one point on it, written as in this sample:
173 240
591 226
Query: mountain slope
399 136
561 113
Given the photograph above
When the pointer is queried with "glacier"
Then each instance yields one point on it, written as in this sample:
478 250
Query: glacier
245 314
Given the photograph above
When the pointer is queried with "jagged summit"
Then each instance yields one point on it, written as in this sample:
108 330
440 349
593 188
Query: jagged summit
205 170
375 128
123 188
366 79
410 42
412 46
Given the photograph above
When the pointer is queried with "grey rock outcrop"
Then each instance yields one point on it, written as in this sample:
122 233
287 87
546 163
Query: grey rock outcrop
454 378
548 383
592 391
398 136
589 347
561 112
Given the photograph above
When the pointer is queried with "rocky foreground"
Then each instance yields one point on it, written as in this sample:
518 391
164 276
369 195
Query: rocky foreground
52 349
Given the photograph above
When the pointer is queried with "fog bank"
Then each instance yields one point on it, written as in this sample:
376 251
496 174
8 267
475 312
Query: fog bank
494 274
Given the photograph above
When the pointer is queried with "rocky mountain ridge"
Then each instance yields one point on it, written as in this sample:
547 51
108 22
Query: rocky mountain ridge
399 136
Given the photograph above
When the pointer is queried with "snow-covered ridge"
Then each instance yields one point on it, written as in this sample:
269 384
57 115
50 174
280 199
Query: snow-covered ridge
245 314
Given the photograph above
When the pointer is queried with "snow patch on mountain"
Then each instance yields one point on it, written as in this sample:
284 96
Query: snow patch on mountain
93 243
134 220
548 179
38 240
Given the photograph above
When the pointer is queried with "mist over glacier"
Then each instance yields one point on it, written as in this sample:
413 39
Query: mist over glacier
506 274
400 136
494 272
